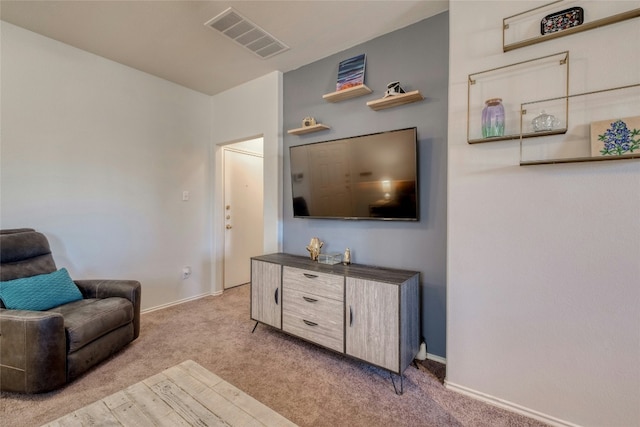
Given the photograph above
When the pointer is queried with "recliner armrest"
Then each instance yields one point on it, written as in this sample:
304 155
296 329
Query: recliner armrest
129 289
33 351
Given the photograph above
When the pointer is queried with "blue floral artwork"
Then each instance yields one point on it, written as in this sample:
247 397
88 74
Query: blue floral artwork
616 137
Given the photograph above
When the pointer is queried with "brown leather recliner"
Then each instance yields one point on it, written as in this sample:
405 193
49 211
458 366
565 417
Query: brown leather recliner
43 350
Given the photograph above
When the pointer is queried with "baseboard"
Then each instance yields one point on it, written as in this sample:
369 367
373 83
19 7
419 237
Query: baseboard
178 302
509 406
436 358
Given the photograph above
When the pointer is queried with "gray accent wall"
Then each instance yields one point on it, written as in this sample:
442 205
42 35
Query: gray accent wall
418 57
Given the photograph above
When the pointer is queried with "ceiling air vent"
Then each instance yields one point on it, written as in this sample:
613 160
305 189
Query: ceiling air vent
247 34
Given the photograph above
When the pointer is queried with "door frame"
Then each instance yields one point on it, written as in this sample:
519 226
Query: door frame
246 152
272 204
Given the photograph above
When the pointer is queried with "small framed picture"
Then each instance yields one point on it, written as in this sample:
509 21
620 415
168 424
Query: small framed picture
351 72
615 137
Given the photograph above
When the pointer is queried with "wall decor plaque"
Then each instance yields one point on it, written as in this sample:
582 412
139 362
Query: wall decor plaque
562 20
615 137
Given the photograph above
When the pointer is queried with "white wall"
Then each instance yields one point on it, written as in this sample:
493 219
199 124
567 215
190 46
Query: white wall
543 279
96 156
247 111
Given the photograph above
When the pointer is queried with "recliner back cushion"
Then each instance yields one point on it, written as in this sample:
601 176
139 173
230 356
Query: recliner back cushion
24 254
40 292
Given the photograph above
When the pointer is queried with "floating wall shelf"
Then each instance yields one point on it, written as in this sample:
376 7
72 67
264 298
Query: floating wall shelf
349 93
524 135
395 100
523 29
577 143
577 160
547 77
308 129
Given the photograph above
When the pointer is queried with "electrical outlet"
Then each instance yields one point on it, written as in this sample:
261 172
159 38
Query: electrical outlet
186 272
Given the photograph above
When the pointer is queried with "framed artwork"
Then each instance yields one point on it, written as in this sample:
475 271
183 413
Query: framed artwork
615 137
351 72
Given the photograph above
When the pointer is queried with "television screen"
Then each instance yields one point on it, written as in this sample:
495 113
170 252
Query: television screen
363 177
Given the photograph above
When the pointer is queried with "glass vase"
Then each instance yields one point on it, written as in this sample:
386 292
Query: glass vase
493 118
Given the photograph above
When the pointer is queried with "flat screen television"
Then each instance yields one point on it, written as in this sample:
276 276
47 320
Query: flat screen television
371 176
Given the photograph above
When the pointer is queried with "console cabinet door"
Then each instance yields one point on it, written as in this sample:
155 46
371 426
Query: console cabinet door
372 322
266 293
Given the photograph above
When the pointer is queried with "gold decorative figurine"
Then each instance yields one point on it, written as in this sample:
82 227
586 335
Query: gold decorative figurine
314 248
347 257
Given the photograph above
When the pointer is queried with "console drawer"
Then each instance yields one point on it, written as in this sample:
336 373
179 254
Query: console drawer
315 308
322 333
320 284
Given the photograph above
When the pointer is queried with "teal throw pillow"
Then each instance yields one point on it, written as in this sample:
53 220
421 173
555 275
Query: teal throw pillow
40 292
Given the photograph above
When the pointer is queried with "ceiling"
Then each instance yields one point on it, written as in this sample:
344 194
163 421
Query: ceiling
169 39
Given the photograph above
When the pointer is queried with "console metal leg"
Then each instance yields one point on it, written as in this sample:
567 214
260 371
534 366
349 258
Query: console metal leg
401 384
254 327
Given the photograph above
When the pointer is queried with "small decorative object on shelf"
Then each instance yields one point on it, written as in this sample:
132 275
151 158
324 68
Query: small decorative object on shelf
562 20
330 259
314 248
393 88
616 137
544 122
493 118
308 121
347 257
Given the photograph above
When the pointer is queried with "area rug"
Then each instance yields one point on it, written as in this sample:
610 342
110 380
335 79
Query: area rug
183 395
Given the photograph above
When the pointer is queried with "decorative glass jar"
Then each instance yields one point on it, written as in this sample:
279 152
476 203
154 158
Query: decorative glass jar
544 122
493 118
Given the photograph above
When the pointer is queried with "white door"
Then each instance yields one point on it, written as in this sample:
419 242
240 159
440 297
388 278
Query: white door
243 218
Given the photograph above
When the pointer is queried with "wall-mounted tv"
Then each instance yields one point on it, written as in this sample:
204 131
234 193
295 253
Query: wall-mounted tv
371 176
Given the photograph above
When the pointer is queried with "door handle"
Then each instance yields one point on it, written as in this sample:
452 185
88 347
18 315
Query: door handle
350 316
276 295
310 323
307 299
310 276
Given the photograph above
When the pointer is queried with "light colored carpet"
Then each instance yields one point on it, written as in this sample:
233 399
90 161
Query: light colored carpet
305 383
183 395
